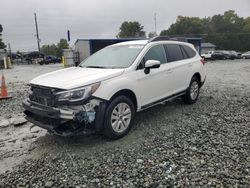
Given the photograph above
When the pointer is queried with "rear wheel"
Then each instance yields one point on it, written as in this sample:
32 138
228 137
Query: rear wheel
118 117
193 91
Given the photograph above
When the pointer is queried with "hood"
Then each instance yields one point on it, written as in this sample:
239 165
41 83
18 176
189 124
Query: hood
75 77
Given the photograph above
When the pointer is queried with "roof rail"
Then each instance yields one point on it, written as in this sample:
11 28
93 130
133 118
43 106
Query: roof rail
166 38
181 39
159 38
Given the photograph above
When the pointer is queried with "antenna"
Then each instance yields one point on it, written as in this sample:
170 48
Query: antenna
37 35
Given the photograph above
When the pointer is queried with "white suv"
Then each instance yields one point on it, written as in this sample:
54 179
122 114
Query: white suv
106 90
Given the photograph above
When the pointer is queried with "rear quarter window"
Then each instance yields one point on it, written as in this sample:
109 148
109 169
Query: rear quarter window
189 51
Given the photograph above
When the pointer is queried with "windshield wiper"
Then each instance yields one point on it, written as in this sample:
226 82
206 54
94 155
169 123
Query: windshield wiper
99 67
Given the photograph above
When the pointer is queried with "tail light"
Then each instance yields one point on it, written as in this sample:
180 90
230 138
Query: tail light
203 61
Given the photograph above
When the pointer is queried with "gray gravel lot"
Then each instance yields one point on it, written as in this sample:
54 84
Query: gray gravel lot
172 145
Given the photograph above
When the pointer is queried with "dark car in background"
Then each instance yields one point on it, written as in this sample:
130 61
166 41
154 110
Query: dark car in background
234 55
220 54
34 56
50 59
53 59
246 55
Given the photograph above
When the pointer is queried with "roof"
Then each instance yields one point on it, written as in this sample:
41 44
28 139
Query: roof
134 42
109 40
189 39
207 45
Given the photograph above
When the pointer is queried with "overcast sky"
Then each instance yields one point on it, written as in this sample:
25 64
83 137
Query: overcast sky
98 18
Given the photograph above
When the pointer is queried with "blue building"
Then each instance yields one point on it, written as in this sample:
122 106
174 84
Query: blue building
86 47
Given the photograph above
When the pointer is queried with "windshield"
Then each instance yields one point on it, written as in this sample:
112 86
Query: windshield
121 56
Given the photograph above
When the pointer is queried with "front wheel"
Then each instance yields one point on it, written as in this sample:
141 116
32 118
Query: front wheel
118 117
193 91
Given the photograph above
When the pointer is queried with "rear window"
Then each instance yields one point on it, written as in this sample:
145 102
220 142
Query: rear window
190 52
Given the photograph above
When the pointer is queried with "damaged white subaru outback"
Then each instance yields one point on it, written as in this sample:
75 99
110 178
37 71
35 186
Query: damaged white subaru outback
106 90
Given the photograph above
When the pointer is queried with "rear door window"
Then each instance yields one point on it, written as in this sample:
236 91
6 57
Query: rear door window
184 53
174 52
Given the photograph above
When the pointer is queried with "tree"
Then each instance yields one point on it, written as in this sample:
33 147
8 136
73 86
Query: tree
2 45
246 27
63 44
164 32
131 30
55 50
227 31
152 34
230 22
49 49
185 26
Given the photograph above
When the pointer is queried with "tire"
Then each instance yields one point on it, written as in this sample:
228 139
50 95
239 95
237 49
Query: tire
193 91
115 125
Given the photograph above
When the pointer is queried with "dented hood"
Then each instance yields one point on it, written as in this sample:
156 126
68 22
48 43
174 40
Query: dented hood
75 77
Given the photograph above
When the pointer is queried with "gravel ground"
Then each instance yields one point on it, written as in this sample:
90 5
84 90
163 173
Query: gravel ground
172 145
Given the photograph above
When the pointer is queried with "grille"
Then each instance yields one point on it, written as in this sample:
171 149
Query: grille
42 95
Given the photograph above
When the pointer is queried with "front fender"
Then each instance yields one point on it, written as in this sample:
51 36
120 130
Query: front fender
109 88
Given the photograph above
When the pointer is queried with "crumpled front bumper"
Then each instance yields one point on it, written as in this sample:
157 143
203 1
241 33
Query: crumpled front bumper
52 118
46 117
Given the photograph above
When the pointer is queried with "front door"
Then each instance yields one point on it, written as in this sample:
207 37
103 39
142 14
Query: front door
158 83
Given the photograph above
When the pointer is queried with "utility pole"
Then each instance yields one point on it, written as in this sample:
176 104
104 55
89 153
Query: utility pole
37 35
155 23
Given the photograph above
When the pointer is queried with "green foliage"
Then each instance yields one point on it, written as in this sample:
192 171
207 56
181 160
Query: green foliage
246 27
186 25
131 30
152 34
63 44
227 31
49 49
55 49
230 41
2 45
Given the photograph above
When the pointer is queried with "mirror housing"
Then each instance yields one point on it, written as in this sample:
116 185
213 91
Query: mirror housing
151 64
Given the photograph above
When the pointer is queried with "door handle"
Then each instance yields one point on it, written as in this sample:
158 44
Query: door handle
169 71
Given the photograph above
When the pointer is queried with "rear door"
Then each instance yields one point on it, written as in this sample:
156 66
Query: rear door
181 66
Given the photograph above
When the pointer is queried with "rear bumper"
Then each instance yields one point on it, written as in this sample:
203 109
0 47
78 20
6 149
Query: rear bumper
57 120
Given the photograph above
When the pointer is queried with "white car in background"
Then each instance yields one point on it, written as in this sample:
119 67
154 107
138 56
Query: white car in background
106 90
207 55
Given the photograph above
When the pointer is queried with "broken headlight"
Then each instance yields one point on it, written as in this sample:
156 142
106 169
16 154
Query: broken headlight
78 94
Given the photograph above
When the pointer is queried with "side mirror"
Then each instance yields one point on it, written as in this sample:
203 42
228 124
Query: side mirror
151 64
